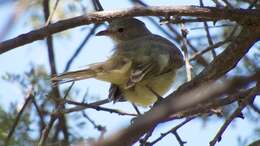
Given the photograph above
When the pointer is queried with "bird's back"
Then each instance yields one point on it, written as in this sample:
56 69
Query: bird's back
153 48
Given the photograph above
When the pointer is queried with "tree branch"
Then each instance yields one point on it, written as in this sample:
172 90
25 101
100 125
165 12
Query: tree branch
230 56
170 106
55 90
235 114
173 130
29 98
239 15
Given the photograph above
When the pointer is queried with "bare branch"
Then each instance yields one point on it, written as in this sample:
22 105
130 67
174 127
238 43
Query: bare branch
46 131
235 114
216 45
181 142
78 50
29 97
55 90
184 47
231 56
41 116
170 106
173 130
81 106
239 15
206 27
143 141
100 128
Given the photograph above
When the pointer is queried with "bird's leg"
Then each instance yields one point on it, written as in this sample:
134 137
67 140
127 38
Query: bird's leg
159 97
137 111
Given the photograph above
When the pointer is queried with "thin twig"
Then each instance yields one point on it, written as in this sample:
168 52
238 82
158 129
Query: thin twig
54 117
49 40
144 141
67 93
207 107
180 141
55 90
29 97
46 131
96 103
188 66
97 7
216 45
236 113
52 13
96 126
174 129
200 59
82 106
175 103
80 47
206 27
38 111
100 128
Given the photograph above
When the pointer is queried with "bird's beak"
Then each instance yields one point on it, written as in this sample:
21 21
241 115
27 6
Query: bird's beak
104 33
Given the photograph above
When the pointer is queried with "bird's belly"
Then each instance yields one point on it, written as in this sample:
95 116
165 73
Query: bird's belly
142 95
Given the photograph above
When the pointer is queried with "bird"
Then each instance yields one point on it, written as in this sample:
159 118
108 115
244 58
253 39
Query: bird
142 67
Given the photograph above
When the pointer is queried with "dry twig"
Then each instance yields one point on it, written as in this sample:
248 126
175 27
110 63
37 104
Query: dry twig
28 98
237 113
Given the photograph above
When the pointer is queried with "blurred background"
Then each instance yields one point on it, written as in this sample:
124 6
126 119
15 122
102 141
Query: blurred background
28 67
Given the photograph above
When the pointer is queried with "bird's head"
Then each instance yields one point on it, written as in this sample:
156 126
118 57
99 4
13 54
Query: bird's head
125 29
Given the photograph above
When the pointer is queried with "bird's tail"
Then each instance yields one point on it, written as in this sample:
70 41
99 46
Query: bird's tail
73 76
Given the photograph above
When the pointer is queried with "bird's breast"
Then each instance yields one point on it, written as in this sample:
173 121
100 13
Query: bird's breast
142 95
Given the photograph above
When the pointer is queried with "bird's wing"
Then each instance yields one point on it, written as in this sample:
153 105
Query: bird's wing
114 70
176 57
138 73
154 56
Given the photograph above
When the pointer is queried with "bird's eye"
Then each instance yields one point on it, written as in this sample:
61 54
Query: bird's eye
120 30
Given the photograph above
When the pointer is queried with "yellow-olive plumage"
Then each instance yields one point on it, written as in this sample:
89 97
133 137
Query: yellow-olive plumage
142 63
